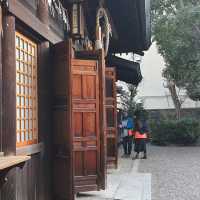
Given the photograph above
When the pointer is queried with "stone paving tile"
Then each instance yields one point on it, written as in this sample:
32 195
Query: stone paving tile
175 172
133 187
123 184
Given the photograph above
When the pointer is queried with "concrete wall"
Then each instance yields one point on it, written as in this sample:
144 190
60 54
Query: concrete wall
165 102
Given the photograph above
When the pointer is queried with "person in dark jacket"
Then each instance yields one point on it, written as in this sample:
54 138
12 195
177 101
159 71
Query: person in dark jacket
127 126
140 135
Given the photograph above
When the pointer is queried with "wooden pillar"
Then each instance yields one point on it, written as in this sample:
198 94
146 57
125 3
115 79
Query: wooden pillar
9 85
45 118
8 101
42 11
103 139
1 132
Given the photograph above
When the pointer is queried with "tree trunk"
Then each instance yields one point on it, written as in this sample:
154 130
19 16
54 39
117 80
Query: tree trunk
175 99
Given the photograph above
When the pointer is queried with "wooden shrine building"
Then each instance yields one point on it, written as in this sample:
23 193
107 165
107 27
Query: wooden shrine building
58 68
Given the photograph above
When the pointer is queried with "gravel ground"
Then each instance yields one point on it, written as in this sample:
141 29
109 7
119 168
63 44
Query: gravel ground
175 172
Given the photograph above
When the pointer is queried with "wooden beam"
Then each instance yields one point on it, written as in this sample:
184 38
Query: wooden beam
43 11
10 161
22 13
30 149
9 85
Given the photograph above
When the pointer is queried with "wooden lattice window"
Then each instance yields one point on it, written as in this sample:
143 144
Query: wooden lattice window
26 91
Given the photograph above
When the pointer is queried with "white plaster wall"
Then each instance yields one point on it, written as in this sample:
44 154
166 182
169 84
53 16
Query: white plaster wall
151 90
165 102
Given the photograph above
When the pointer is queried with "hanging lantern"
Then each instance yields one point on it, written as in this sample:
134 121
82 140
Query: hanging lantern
77 21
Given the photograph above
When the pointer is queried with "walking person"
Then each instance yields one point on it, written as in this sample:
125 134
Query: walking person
127 127
140 136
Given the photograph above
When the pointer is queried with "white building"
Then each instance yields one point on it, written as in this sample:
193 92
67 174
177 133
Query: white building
151 90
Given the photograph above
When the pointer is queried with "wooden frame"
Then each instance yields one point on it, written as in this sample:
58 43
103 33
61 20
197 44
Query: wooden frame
26 91
111 118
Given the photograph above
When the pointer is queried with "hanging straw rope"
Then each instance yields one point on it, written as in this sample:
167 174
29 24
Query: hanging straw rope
101 13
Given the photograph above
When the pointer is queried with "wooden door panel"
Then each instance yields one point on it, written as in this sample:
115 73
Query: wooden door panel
109 87
79 163
86 128
76 84
91 162
99 56
89 124
77 124
111 147
111 118
89 83
62 153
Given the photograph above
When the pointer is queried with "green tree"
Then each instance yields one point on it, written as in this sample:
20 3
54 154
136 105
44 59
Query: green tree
176 30
127 98
129 104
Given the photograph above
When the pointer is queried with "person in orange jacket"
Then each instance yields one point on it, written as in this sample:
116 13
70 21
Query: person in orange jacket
140 135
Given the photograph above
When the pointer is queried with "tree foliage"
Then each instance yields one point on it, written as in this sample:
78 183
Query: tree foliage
127 98
129 104
176 29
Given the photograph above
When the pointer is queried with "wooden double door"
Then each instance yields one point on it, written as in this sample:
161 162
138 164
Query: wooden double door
79 157
111 118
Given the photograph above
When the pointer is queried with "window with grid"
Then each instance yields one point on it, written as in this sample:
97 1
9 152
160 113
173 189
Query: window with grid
26 91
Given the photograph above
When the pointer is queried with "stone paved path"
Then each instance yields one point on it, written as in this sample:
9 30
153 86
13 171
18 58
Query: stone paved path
175 172
125 183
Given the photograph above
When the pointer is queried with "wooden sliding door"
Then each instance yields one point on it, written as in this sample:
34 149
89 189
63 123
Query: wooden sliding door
111 118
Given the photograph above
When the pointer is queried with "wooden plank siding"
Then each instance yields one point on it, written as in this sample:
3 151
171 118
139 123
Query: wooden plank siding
28 180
